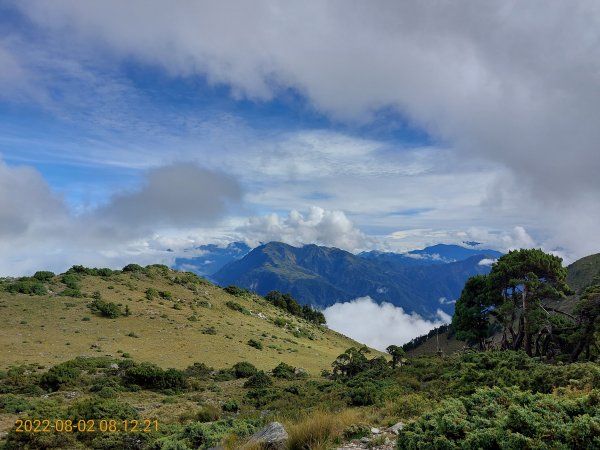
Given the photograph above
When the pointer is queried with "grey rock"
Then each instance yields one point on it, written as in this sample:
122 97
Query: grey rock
375 431
71 394
273 436
114 366
396 428
300 371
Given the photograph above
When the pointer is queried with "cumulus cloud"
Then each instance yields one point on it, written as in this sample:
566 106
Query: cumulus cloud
329 228
38 230
379 325
26 201
180 195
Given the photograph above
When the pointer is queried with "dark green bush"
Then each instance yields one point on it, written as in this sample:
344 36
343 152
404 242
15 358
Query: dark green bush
259 380
254 343
150 376
508 418
230 406
244 369
44 276
106 309
236 291
237 307
26 285
261 397
58 376
14 404
135 268
284 370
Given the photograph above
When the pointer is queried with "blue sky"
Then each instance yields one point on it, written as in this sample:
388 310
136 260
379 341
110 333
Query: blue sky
340 125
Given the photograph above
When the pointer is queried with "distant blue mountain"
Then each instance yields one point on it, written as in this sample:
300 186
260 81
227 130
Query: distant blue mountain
322 276
436 254
210 258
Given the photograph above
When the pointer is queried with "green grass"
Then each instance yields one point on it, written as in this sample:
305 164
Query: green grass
167 336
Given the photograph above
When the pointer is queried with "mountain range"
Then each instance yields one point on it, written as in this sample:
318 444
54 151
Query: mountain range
422 281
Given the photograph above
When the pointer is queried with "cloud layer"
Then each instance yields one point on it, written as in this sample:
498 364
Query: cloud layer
511 84
516 83
378 325
39 231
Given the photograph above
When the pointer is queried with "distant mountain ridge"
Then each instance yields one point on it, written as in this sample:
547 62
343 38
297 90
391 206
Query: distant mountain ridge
436 254
322 276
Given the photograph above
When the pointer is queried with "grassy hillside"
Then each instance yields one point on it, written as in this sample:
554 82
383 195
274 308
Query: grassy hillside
582 272
186 320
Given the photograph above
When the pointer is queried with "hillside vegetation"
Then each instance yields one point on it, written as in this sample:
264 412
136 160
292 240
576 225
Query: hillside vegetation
482 397
173 319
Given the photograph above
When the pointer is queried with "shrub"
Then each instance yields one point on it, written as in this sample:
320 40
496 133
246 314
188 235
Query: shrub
198 370
151 293
58 376
237 307
284 370
261 397
165 295
230 406
136 268
508 418
14 404
244 369
150 376
254 343
209 330
236 291
259 380
26 285
106 309
44 276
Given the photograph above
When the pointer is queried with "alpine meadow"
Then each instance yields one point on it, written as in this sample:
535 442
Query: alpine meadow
253 225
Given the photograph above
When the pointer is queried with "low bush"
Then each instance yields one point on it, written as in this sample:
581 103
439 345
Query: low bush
237 307
106 309
26 285
44 276
259 380
236 291
244 369
150 376
285 371
256 344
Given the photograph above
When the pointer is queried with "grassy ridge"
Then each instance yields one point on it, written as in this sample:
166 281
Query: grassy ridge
189 322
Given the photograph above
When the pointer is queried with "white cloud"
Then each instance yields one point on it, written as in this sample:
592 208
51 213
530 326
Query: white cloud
38 231
487 262
379 325
329 228
511 83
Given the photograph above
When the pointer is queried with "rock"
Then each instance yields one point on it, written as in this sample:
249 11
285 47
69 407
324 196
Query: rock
114 366
375 431
396 428
273 436
71 394
365 440
300 371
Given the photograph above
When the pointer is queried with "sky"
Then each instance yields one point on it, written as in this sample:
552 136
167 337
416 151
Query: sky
131 131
